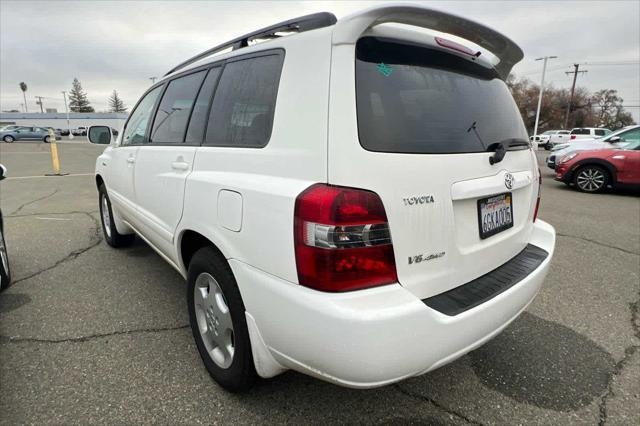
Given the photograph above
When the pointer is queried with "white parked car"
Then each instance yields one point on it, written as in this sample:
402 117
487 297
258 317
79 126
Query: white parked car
617 139
80 131
362 214
589 133
550 138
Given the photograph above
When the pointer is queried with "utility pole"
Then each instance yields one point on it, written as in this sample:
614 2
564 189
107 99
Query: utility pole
573 89
544 70
39 98
66 109
153 80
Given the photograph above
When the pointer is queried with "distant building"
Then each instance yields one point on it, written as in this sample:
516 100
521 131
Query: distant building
59 120
51 110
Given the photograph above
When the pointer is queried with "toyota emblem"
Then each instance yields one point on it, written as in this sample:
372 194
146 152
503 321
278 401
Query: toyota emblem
508 180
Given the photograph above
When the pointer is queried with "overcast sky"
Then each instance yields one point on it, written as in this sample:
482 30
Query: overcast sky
119 45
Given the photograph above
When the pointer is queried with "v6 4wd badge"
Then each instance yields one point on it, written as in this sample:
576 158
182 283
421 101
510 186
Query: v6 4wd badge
424 257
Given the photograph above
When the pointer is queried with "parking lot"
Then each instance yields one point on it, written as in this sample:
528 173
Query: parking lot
89 334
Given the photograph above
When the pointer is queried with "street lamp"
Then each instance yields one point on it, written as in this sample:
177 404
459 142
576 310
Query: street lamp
544 70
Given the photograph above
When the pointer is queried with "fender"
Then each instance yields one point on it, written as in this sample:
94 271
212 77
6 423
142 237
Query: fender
594 161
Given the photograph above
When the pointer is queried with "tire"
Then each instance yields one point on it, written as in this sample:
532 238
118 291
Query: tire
8 139
5 272
111 234
591 178
84 133
47 139
219 322
548 146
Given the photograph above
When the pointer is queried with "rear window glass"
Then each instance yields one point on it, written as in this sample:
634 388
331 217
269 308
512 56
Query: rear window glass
580 132
244 103
600 132
412 99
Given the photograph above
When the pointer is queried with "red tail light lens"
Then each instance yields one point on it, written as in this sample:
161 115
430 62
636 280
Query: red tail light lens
572 137
535 212
342 239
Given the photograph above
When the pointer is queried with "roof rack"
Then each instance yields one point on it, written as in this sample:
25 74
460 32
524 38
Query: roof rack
303 23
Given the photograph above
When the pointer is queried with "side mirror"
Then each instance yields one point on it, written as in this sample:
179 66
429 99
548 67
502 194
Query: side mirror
100 135
614 139
3 172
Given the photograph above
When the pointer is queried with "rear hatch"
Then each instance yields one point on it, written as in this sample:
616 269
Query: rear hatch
428 122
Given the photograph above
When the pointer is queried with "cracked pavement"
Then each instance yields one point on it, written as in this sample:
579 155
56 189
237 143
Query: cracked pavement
89 334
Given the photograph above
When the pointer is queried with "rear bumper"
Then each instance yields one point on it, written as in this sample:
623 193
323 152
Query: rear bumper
372 337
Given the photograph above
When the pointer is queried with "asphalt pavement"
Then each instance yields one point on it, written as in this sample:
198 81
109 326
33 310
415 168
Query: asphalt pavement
89 334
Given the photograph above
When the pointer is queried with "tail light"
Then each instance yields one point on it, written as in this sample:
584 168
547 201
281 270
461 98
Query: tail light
342 239
572 137
535 212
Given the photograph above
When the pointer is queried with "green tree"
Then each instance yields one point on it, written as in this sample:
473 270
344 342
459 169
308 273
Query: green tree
609 110
78 101
23 87
115 103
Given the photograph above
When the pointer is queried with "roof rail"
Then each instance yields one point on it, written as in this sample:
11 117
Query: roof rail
303 23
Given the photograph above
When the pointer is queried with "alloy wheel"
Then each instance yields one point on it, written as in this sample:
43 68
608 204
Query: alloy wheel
106 217
214 320
3 254
590 180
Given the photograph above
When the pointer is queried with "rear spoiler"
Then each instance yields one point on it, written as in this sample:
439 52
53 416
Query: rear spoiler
350 28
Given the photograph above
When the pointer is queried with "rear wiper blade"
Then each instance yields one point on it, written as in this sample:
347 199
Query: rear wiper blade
501 148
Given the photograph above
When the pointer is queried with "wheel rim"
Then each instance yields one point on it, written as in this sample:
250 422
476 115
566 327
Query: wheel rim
47 139
106 219
590 179
8 139
3 254
214 320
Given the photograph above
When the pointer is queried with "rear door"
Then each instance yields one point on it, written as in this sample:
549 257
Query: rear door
418 126
163 164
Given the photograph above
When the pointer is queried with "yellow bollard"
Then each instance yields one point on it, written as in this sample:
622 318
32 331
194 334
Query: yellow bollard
54 154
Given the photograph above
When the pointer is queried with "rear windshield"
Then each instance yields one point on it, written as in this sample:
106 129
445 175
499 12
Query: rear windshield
581 132
412 99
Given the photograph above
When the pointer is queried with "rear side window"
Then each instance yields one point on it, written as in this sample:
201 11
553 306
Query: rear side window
195 132
170 123
580 132
413 99
244 103
600 132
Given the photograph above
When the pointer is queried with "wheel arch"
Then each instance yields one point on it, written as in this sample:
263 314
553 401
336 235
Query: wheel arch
99 181
189 242
610 168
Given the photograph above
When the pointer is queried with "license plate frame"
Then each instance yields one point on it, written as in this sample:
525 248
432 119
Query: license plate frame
482 203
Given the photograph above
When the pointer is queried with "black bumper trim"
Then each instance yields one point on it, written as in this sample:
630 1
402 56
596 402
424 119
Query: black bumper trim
488 286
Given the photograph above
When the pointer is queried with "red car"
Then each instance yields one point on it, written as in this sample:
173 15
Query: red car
593 171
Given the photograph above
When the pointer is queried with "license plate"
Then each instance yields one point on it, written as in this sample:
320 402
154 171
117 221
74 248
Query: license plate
495 214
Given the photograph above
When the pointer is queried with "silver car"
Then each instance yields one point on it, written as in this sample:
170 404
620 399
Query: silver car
25 133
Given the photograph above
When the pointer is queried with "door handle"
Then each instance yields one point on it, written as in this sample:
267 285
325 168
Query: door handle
180 165
131 160
618 157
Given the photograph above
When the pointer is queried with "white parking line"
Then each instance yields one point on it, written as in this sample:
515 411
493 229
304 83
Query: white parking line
51 218
22 153
42 177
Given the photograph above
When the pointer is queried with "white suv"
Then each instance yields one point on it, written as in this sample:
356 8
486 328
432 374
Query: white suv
354 201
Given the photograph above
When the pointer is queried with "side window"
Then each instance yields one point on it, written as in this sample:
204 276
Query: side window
195 131
136 127
170 123
244 103
599 132
631 136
